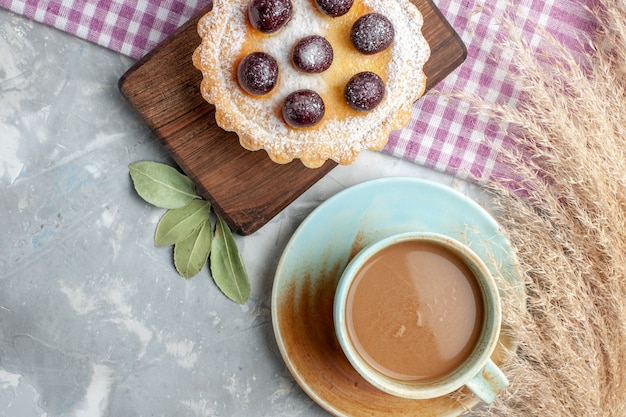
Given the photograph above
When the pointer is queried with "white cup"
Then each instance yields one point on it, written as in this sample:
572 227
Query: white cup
477 371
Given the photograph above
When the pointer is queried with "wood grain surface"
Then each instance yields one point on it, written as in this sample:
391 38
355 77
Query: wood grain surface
245 187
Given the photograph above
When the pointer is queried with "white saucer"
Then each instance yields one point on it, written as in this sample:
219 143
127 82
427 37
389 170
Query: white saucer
319 250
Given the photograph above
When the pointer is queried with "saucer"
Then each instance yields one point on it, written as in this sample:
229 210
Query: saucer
319 250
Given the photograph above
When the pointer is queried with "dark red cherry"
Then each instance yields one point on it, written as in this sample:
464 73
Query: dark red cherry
312 54
334 8
257 73
364 91
303 108
372 33
269 15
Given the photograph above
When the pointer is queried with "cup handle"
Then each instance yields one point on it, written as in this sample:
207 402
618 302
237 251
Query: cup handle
488 383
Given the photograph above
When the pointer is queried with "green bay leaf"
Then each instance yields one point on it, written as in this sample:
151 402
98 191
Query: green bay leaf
227 268
162 185
177 224
191 254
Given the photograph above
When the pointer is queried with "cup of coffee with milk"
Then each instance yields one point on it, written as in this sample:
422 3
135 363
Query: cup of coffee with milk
418 316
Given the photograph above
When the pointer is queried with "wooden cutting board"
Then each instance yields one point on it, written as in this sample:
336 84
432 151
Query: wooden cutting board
246 188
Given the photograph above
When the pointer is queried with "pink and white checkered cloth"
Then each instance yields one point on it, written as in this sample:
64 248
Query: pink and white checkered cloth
131 27
441 135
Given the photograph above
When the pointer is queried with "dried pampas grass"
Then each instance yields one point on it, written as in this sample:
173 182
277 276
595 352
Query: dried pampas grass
565 215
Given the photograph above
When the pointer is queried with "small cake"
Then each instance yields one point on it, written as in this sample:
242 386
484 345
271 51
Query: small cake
312 79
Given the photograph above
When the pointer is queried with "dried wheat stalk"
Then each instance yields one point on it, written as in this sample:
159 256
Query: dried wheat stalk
566 218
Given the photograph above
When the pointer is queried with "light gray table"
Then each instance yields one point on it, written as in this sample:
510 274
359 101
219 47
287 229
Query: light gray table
94 320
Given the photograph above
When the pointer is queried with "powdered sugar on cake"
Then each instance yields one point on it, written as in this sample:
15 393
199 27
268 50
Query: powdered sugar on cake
258 120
